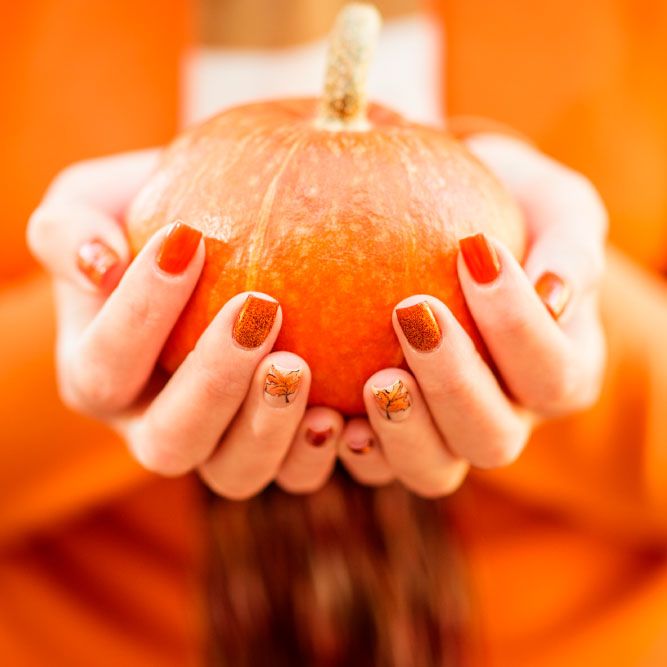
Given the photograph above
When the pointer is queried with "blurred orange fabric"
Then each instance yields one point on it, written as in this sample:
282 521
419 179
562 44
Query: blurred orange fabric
566 549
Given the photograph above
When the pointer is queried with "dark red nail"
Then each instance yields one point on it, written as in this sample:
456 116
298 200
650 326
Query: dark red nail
178 248
480 258
318 438
554 292
361 446
95 259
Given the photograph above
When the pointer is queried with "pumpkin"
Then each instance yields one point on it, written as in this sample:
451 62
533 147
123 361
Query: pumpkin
335 207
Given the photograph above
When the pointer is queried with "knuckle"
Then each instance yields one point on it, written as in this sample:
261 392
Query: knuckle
219 382
504 447
299 485
441 482
516 327
41 231
91 389
560 388
140 311
455 385
581 192
154 450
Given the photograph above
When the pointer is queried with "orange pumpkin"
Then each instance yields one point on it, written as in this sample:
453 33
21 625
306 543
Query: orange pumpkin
337 210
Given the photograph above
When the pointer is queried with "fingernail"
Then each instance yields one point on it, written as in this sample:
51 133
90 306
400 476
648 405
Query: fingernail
554 292
318 438
281 385
393 401
178 248
361 446
254 321
480 258
419 326
95 259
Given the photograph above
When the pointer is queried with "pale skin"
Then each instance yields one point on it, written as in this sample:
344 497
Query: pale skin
212 416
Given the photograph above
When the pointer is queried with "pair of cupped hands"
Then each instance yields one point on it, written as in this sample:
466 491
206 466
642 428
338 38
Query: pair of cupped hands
216 415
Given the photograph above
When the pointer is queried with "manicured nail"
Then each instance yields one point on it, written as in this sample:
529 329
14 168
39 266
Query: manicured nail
554 292
178 248
420 326
318 438
281 385
361 446
95 259
480 258
254 321
393 401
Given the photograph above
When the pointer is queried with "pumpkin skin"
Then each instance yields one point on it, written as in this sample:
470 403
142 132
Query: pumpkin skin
338 226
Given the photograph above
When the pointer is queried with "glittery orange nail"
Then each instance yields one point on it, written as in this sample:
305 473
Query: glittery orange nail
361 447
419 326
95 259
393 401
281 384
318 438
554 292
254 321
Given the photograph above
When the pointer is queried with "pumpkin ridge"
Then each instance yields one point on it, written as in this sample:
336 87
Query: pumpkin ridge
257 237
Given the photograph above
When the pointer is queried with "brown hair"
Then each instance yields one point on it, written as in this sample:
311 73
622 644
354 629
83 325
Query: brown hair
349 576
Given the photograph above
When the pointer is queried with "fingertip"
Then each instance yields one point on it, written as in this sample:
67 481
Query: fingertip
284 378
390 394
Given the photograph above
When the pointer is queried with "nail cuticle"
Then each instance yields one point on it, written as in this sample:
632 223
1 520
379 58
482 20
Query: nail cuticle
318 438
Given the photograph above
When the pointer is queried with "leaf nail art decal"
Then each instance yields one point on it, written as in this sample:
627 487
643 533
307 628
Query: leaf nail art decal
393 401
281 384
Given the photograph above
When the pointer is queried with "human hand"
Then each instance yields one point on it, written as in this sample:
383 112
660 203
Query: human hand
540 324
114 318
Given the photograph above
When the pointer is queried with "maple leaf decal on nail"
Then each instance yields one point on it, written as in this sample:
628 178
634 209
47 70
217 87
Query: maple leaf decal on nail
392 399
282 382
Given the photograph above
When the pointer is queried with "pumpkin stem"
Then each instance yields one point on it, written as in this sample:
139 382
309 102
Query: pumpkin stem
351 47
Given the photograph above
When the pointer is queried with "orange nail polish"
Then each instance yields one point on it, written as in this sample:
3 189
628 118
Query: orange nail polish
361 447
95 259
281 385
254 321
318 438
420 326
393 401
480 258
554 292
178 248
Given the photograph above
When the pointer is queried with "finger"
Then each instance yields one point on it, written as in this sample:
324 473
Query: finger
541 367
79 244
410 440
312 454
471 411
75 232
184 423
565 215
360 452
254 446
108 364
